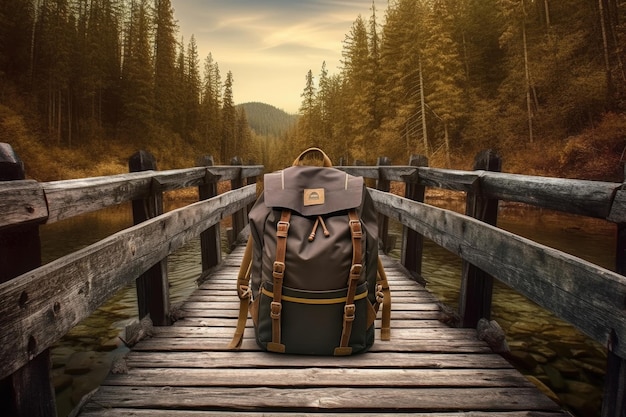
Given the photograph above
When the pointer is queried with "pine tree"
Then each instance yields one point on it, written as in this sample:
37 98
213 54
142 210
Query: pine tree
51 64
403 129
229 145
137 81
192 87
308 126
358 75
247 147
165 97
17 18
211 102
445 75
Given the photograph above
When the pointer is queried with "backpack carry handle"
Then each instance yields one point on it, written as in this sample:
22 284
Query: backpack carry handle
326 159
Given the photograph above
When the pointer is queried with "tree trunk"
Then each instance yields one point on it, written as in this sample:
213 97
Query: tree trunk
446 138
605 45
527 71
423 108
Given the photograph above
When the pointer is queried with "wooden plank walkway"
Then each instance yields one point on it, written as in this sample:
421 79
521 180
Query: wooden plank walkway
427 369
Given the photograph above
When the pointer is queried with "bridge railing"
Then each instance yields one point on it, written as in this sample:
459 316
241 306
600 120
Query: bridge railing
590 297
40 304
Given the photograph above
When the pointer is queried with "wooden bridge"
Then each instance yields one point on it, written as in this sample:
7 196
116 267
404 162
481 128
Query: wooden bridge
184 369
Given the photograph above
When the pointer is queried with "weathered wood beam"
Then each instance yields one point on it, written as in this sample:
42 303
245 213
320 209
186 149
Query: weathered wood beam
153 296
42 305
73 197
583 197
476 285
586 295
413 242
26 390
22 202
210 243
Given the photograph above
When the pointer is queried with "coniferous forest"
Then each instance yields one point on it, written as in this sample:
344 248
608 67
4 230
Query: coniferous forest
106 77
85 82
541 81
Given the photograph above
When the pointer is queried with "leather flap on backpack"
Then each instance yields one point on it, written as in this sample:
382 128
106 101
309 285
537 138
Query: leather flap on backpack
313 191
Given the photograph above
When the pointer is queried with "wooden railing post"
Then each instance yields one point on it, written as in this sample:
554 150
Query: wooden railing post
413 242
239 218
210 242
383 222
153 285
476 285
614 396
249 181
28 392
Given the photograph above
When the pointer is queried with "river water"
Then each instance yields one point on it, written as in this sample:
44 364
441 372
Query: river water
546 349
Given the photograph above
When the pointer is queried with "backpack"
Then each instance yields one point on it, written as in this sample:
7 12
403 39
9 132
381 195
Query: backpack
311 277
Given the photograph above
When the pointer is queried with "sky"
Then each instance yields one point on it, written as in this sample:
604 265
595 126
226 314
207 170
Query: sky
270 45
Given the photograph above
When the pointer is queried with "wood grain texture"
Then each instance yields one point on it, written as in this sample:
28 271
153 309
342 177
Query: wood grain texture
40 306
586 295
427 369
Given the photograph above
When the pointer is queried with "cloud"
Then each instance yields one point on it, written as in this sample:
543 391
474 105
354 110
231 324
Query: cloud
269 45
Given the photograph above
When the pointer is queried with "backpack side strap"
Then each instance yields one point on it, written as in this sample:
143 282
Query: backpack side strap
382 286
245 295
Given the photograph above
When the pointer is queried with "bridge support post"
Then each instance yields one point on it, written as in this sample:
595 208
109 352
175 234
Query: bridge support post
383 222
210 242
477 285
28 392
239 218
614 395
153 285
413 242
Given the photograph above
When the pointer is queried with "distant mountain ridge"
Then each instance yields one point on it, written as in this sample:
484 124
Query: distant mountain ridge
267 120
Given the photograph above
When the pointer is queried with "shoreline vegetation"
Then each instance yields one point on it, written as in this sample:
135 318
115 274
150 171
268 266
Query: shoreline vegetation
596 154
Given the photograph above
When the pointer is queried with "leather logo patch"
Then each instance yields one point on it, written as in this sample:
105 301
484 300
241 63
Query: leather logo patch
313 196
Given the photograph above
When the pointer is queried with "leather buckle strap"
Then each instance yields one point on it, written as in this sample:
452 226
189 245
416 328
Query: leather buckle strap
278 270
348 312
244 292
275 309
282 228
356 229
356 232
355 271
278 273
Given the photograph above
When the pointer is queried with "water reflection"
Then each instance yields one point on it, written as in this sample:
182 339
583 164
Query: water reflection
544 347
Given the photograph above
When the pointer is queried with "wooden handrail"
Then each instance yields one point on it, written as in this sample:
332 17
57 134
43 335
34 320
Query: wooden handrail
25 201
584 197
586 295
28 201
42 305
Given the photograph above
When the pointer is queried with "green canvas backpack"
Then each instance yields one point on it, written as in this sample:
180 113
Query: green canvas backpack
311 278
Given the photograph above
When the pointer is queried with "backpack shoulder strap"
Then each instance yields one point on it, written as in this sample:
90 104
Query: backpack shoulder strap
278 273
245 295
356 234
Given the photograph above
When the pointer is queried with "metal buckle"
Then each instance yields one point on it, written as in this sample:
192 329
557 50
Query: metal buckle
244 292
282 228
348 312
355 228
355 271
278 270
275 309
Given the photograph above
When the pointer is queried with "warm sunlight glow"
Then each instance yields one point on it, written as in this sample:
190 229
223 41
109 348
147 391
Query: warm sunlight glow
269 45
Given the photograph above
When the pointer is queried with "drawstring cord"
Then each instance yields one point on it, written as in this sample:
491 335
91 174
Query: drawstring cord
318 221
